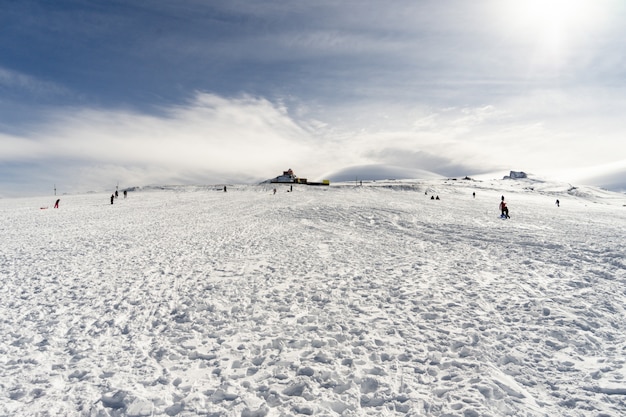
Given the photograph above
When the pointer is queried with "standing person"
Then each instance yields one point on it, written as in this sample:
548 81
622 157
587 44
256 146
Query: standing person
504 209
224 188
116 194
557 203
125 193
56 205
474 194
112 198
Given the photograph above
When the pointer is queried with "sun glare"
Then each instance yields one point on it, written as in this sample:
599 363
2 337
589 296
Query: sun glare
552 28
549 12
549 18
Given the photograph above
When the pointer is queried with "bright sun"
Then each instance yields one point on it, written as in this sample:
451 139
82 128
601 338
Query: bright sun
552 26
548 14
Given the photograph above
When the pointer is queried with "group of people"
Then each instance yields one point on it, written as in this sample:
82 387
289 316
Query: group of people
503 207
115 195
505 210
432 197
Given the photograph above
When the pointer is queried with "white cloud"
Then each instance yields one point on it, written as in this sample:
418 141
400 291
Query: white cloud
210 139
541 131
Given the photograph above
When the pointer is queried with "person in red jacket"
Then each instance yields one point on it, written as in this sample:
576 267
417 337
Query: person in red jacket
504 209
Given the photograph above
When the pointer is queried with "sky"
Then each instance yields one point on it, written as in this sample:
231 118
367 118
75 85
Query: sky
99 94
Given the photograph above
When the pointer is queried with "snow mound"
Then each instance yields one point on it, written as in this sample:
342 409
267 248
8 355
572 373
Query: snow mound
376 172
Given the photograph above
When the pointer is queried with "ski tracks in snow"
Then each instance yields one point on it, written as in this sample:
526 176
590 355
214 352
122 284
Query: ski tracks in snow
348 301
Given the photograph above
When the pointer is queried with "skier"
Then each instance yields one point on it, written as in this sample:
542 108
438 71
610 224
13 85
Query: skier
56 205
125 193
504 209
112 198
557 203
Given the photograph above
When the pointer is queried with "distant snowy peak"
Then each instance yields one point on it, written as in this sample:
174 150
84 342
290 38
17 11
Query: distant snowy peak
516 175
614 181
612 177
377 172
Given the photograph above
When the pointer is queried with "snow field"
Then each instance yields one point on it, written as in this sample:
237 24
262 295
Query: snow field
330 301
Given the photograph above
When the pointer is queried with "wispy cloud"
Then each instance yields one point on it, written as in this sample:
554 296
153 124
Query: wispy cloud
15 80
214 139
209 139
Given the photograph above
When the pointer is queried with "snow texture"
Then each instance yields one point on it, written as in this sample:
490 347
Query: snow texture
346 300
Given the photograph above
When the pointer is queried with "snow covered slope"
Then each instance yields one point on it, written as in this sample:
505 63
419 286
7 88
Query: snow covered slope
334 301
